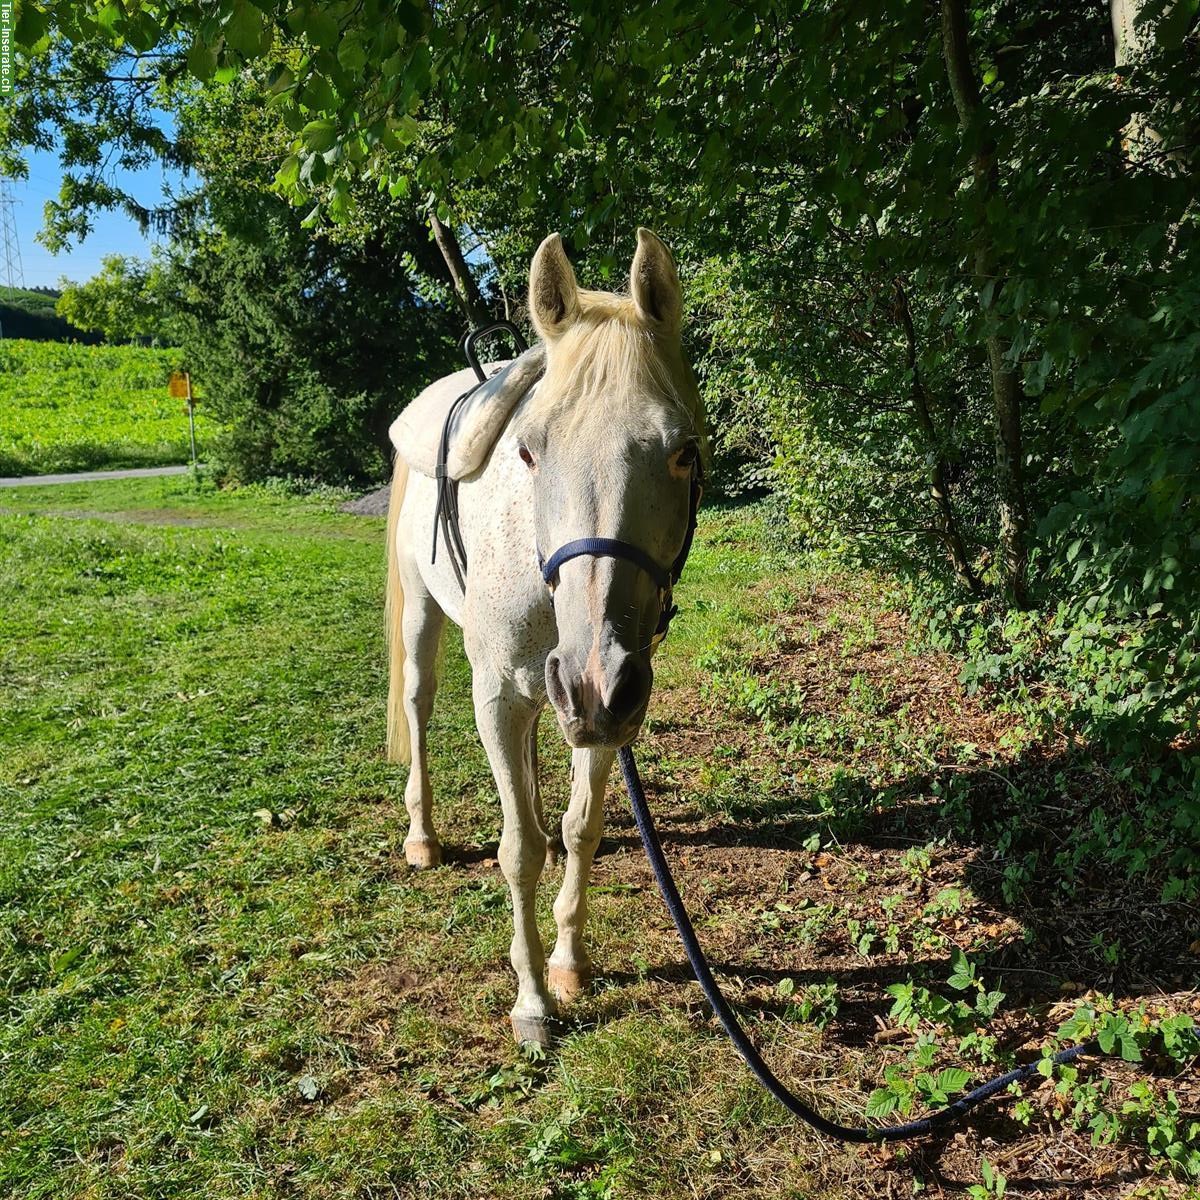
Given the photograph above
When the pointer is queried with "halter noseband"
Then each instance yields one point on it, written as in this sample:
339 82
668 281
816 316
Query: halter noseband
664 577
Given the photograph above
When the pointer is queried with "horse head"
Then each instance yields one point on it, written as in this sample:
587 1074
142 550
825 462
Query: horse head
612 438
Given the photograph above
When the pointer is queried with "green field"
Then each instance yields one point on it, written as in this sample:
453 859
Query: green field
71 407
220 979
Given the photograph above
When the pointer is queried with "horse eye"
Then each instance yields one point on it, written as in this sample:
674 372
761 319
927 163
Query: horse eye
686 457
526 457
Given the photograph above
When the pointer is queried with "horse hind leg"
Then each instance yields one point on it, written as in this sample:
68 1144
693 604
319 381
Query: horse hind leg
422 632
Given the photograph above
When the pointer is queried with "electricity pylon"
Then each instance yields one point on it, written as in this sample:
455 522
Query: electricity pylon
11 273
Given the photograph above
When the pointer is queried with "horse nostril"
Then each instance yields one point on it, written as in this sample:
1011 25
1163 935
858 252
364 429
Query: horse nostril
630 689
556 688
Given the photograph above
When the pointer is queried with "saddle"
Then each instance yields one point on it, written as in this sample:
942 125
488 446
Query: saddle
468 414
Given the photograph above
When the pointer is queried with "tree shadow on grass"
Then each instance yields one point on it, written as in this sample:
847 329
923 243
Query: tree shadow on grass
1075 847
68 457
1091 857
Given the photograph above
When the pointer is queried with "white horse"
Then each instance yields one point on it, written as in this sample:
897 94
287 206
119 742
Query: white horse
606 445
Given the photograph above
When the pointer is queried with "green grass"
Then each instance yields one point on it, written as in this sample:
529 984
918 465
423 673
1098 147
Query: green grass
71 407
218 978
168 958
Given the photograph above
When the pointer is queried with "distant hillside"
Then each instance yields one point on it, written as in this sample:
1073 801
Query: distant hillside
29 313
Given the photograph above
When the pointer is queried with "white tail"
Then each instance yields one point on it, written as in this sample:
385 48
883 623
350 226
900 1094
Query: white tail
399 743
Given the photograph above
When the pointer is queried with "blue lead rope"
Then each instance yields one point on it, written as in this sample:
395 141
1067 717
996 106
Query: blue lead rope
737 1035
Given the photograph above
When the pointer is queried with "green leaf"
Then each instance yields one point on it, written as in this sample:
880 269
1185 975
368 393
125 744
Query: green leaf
244 29
31 25
109 16
202 60
142 32
963 971
312 170
351 55
881 1102
319 135
412 17
279 79
952 1079
289 172
61 962
320 27
318 94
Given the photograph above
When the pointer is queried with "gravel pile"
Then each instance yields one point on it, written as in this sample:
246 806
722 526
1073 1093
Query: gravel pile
373 504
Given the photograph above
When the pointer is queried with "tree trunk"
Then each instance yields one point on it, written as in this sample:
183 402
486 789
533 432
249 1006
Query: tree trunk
1131 40
1006 386
1128 39
465 287
939 474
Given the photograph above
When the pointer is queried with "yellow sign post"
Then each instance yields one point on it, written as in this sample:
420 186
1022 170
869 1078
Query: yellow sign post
180 387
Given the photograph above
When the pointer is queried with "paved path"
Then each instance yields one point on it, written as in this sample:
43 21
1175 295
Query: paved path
91 476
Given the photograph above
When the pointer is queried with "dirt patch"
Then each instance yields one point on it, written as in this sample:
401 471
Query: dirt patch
133 516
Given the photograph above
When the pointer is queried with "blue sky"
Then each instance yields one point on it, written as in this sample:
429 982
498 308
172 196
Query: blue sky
114 233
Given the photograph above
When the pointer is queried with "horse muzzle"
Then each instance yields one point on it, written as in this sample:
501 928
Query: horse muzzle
599 703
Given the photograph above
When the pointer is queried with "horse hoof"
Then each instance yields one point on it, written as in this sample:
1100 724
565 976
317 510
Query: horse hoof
566 983
423 854
531 1029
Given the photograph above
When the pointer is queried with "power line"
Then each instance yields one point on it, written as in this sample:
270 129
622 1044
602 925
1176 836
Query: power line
11 271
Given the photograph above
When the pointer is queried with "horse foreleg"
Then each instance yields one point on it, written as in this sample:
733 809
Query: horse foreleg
570 967
505 719
422 631
553 845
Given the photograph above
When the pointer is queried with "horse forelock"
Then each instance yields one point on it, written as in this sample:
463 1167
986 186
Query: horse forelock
610 366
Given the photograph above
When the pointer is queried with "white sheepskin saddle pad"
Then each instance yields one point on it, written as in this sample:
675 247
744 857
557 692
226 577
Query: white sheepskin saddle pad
417 431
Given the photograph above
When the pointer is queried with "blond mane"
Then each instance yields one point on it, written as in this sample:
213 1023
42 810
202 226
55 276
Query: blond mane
610 353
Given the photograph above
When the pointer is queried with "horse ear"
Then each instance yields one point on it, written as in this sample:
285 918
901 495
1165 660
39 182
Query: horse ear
655 283
553 292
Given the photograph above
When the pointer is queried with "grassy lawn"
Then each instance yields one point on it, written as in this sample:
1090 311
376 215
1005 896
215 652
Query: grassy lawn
219 977
71 407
